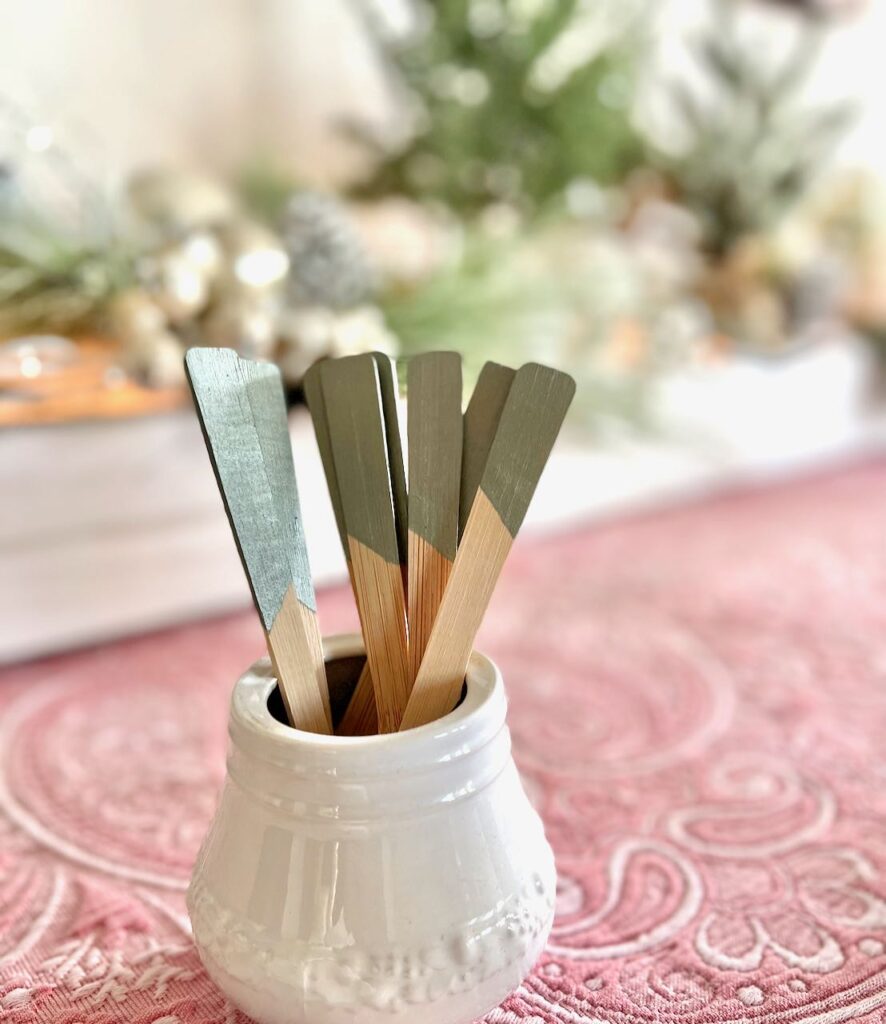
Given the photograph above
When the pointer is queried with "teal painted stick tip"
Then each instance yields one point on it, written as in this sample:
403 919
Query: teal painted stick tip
242 412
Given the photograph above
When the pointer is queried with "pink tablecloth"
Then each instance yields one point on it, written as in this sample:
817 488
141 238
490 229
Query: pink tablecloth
698 702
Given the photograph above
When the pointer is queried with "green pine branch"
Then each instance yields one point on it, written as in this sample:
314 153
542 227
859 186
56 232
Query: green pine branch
488 128
754 148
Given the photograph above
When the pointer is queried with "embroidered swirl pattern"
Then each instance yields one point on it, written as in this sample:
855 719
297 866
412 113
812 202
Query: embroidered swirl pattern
698 706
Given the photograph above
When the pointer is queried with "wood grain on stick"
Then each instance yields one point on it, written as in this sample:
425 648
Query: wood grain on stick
360 718
356 423
242 412
379 590
429 573
530 421
487 543
434 427
297 653
387 382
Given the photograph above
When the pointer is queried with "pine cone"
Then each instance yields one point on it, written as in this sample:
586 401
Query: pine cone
328 264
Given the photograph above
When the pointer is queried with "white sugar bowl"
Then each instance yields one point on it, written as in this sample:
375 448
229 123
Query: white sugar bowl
356 880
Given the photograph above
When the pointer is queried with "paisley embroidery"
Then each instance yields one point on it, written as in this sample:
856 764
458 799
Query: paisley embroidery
699 710
575 938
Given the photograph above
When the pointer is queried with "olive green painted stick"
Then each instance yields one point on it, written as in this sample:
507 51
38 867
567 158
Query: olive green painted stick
529 424
313 391
480 424
387 379
312 387
242 411
434 426
354 414
360 718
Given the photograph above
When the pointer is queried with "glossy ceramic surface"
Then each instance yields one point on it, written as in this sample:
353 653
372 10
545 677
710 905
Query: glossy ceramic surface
356 880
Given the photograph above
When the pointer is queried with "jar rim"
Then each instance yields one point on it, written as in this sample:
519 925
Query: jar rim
473 723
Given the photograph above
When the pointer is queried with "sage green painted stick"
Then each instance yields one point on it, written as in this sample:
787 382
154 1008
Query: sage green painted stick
313 390
529 424
355 417
480 424
387 379
434 425
242 411
360 717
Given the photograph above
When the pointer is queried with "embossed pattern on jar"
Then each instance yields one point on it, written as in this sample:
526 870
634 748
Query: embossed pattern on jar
355 879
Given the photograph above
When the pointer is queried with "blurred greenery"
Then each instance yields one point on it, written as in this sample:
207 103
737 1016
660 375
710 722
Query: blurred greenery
753 147
52 280
505 108
545 296
265 186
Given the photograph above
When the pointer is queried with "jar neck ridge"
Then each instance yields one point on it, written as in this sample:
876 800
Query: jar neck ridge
360 779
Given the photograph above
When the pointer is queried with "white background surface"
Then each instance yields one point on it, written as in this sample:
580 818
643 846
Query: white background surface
102 531
213 82
125 529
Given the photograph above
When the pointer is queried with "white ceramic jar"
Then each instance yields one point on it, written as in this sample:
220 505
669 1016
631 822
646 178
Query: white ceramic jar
358 879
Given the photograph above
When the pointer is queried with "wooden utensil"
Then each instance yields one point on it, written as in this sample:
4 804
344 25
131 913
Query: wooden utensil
357 435
316 402
480 424
434 425
242 411
360 717
387 379
530 421
313 389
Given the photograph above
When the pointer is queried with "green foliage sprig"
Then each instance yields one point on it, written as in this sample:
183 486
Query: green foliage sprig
508 107
753 147
50 280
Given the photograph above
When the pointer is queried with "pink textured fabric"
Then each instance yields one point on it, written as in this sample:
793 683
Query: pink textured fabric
698 703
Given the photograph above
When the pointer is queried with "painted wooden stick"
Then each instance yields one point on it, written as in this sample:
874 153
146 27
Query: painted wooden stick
313 391
480 424
242 412
387 379
360 717
530 421
434 424
355 418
